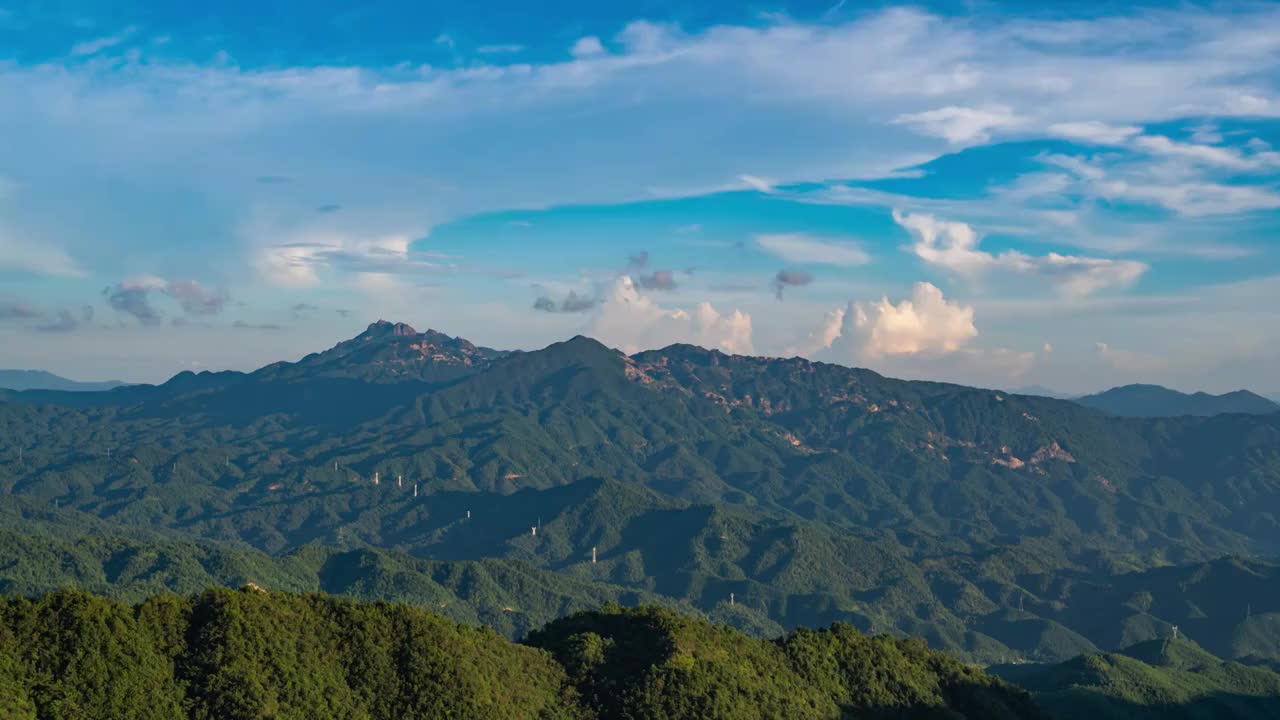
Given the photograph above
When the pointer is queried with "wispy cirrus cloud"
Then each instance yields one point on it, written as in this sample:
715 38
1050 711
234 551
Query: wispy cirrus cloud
962 125
97 45
803 248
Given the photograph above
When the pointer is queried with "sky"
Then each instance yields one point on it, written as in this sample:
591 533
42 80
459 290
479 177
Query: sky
1014 194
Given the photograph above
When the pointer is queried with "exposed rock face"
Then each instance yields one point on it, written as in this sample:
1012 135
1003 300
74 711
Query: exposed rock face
1052 451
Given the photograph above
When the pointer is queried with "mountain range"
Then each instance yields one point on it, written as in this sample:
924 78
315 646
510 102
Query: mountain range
509 488
1157 401
42 380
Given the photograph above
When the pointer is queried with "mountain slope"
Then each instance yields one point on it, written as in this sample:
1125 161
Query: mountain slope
1157 679
1156 401
252 654
812 492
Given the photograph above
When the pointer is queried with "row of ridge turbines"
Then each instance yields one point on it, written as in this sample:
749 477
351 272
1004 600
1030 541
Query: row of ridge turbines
533 530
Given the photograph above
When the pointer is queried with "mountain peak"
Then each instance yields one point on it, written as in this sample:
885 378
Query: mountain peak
383 328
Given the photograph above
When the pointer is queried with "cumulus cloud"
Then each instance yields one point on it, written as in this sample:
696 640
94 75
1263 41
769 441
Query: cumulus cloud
823 337
790 278
927 323
954 246
587 47
802 248
630 321
962 125
924 336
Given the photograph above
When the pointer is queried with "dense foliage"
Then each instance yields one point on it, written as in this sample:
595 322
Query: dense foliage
232 655
995 525
1156 679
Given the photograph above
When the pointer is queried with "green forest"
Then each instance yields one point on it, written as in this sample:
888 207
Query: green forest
739 498
230 654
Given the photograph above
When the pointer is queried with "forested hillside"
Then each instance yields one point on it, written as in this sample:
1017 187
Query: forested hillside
1152 680
231 655
768 493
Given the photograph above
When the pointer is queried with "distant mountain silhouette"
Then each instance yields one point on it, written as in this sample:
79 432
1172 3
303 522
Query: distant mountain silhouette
41 380
1041 391
1157 401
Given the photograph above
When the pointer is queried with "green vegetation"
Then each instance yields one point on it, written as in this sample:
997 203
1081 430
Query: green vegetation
251 654
1156 679
996 526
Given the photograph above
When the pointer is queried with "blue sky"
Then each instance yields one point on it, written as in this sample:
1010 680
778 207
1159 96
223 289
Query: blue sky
1002 194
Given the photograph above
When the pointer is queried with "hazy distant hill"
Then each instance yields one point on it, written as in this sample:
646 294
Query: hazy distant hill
1041 391
1157 401
41 380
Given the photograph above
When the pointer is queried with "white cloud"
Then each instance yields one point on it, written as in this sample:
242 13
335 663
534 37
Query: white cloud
757 183
925 324
585 47
1092 131
1206 154
305 255
1129 360
25 256
502 49
1080 276
961 125
1194 198
1206 133
631 322
802 248
97 45
1075 165
823 337
954 246
144 282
